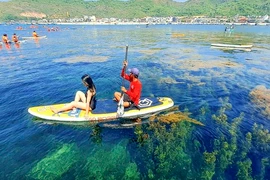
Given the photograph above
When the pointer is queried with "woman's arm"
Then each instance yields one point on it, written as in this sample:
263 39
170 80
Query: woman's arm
89 96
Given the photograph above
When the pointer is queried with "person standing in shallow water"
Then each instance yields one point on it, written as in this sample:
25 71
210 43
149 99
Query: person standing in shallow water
85 101
15 38
5 39
35 34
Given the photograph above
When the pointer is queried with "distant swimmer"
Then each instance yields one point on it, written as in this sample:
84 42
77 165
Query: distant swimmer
35 34
15 38
19 28
5 39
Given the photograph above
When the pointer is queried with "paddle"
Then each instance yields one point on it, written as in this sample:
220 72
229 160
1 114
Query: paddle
120 109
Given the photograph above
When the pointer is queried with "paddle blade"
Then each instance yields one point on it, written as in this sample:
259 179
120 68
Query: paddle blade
120 109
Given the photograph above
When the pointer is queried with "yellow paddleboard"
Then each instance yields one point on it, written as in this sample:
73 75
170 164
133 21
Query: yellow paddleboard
105 111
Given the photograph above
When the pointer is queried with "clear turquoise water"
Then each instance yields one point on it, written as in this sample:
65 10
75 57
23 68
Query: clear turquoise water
183 67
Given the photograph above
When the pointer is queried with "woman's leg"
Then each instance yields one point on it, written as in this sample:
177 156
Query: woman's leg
80 96
69 106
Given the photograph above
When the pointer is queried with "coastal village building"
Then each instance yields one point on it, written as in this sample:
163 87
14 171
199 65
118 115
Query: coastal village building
251 20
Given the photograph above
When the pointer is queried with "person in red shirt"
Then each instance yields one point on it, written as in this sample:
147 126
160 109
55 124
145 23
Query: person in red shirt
131 96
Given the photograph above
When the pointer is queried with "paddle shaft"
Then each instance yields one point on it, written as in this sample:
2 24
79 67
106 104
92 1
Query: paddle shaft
123 80
120 109
126 52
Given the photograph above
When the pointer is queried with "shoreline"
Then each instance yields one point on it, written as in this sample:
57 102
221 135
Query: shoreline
136 23
144 23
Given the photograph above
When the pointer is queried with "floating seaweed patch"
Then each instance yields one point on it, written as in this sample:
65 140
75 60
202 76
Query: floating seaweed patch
168 80
260 96
85 59
56 163
150 51
178 35
177 117
195 65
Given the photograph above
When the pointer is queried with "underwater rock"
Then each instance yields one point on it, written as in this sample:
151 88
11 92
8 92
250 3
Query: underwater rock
56 163
260 96
111 163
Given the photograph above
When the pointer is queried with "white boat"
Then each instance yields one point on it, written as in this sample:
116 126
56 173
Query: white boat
232 45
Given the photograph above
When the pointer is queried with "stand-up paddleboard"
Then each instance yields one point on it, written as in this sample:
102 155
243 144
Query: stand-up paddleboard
232 45
18 42
39 37
229 48
106 110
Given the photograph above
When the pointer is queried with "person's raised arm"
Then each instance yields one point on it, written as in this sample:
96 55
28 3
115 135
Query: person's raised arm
123 74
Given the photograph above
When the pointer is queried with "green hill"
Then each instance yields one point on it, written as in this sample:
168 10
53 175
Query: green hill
12 10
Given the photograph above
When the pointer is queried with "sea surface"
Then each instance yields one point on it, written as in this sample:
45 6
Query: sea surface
218 129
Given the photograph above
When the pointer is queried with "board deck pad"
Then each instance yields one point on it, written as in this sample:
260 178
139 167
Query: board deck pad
105 110
109 106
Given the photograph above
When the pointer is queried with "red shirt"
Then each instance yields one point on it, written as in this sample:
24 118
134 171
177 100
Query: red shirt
135 88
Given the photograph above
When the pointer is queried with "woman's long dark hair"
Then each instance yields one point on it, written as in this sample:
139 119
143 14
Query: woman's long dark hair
89 82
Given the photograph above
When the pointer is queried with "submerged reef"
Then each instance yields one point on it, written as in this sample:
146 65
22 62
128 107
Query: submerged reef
111 163
57 163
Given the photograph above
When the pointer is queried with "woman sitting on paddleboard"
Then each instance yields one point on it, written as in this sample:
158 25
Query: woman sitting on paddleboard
85 101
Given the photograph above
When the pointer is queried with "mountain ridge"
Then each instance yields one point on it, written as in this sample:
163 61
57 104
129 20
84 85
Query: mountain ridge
131 9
